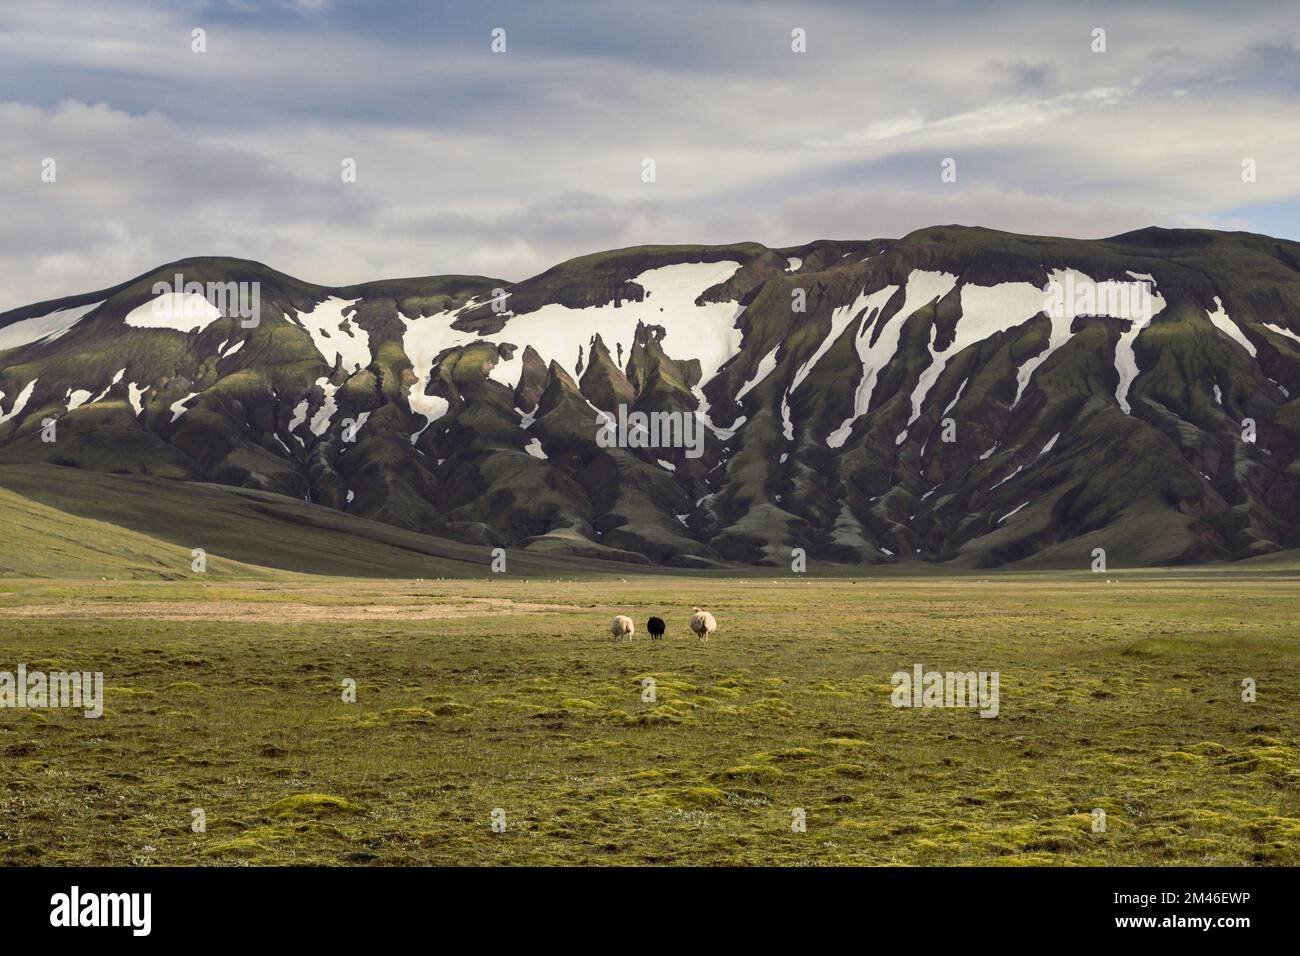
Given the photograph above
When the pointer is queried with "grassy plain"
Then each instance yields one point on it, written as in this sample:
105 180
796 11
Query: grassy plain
1120 691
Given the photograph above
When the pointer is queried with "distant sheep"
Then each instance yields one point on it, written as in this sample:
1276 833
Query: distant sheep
655 627
621 627
703 624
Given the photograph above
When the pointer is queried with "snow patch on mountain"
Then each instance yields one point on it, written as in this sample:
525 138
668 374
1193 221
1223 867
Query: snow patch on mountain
135 395
1019 469
1013 303
702 413
181 406
432 407
19 403
1138 319
1224 323
922 288
985 311
359 424
299 416
425 338
1281 331
109 387
840 319
1010 513
559 333
1122 299
337 336
44 328
876 355
956 398
320 422
178 311
1066 296
766 365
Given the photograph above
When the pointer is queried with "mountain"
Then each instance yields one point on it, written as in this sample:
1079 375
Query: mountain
71 523
959 395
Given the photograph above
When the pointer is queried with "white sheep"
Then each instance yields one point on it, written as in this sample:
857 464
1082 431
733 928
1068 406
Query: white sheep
703 624
621 627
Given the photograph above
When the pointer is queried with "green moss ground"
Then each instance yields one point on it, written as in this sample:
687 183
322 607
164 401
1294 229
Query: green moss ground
1121 695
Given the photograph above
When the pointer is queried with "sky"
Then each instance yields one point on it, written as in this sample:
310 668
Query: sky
470 160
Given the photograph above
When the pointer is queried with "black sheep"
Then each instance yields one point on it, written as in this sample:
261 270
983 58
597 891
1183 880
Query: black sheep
655 627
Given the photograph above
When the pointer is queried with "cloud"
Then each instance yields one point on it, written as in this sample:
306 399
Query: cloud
504 164
1008 116
1020 75
894 212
